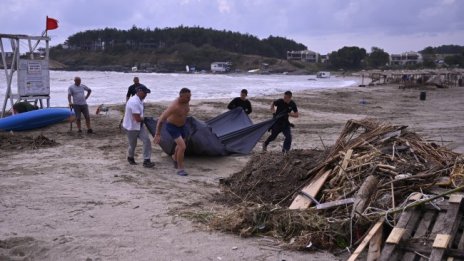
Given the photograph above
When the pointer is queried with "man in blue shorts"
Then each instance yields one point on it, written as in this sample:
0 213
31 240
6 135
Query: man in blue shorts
175 117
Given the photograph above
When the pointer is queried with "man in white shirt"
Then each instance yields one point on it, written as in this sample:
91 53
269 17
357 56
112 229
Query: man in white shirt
133 120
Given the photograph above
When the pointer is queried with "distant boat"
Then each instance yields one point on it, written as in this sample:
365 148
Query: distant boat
254 71
35 119
323 74
134 69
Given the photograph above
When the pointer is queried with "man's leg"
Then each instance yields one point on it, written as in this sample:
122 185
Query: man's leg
179 153
288 138
143 136
77 112
85 111
132 140
274 132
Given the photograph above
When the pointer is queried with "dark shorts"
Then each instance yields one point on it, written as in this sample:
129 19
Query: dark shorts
78 109
176 131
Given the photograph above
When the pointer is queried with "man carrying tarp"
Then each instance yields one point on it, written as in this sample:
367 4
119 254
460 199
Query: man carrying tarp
285 108
241 101
175 117
133 124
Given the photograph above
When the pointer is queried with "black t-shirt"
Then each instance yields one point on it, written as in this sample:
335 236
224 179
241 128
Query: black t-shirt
132 90
286 108
237 102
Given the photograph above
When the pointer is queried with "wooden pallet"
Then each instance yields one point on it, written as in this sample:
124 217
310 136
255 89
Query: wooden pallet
428 233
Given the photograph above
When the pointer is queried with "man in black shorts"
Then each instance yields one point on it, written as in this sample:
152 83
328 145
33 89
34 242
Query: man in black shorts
79 102
241 101
285 108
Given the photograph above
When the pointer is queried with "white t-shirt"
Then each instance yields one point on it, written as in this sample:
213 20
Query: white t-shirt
133 106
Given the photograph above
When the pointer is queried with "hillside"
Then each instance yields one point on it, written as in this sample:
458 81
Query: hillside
171 49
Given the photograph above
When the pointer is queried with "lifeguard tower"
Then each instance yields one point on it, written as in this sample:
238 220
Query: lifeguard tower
32 80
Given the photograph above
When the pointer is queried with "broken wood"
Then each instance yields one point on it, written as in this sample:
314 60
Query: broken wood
375 246
301 202
366 240
364 194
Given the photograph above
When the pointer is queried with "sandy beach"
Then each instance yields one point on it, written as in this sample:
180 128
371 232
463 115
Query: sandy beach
79 199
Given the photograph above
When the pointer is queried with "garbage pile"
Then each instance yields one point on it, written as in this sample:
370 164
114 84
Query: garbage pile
24 142
329 199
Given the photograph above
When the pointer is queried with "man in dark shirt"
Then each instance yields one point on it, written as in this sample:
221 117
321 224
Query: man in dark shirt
132 90
285 108
241 101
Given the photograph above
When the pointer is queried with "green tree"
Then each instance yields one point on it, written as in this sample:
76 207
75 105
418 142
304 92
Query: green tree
347 58
377 58
455 60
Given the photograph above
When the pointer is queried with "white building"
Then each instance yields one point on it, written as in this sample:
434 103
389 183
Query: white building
407 58
305 56
221 66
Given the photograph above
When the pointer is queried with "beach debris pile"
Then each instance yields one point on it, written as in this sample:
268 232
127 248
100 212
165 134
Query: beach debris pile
24 142
329 199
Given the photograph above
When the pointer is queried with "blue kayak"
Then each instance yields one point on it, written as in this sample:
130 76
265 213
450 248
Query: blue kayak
34 119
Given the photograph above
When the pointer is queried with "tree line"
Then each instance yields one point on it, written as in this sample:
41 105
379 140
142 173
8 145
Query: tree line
116 40
201 46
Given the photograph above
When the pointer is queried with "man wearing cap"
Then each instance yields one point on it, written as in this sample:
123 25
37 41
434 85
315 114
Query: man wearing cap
133 120
241 101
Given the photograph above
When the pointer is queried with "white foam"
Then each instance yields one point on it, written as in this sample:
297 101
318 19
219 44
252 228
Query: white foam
111 87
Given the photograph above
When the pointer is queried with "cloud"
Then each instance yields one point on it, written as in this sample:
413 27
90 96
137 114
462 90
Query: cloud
309 21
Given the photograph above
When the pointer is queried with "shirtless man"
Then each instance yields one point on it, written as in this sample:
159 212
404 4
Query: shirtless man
175 116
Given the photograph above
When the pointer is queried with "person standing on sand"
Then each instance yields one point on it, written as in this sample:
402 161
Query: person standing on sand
241 101
285 108
132 90
133 124
79 102
175 117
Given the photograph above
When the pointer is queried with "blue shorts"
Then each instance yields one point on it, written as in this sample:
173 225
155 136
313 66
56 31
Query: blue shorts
176 131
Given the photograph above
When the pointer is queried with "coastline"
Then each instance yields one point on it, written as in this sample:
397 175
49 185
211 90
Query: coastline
80 199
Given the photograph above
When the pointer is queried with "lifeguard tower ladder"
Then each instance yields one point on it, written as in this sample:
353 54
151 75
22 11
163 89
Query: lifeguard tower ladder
33 76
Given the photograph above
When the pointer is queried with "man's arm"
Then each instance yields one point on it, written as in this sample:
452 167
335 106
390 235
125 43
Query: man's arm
88 93
294 112
137 117
273 107
164 116
231 105
248 110
128 95
69 99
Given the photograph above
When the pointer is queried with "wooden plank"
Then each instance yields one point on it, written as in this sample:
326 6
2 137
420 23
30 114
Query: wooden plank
455 198
366 240
395 235
375 246
449 224
345 162
441 241
408 221
302 202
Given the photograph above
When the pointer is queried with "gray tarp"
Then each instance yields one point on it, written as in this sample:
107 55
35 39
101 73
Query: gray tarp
229 133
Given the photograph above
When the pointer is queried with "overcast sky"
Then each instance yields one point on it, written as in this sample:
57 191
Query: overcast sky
322 25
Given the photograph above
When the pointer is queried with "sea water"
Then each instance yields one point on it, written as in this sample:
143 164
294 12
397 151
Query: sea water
111 87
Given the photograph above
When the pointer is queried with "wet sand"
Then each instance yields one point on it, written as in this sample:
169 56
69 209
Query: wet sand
81 200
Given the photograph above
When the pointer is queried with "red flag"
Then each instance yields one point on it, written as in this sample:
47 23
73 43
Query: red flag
51 23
